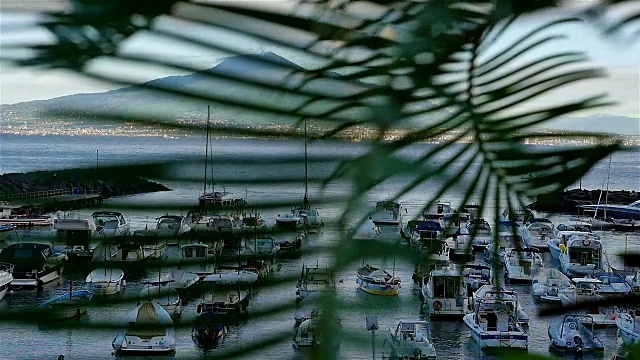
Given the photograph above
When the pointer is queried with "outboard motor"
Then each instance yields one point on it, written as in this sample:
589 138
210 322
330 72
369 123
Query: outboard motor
577 340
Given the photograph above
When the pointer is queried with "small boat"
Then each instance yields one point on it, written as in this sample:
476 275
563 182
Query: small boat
375 281
76 234
311 218
507 242
131 251
172 227
313 280
106 281
476 274
164 294
612 284
547 283
417 229
437 250
634 280
6 277
521 264
34 264
628 327
5 231
28 221
602 316
263 246
461 248
387 213
437 211
494 324
231 304
208 330
410 340
238 277
480 230
569 334
220 201
445 292
537 234
110 224
508 297
309 333
292 247
581 256
253 223
563 232
308 307
218 228
631 211
290 221
583 290
151 242
149 331
68 305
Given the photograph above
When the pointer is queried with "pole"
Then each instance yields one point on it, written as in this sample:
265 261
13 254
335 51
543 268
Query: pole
305 201
97 159
373 343
206 152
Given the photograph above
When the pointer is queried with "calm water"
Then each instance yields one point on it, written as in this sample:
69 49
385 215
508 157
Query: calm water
451 338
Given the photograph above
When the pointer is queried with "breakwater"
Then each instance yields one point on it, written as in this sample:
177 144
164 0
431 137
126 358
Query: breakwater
567 202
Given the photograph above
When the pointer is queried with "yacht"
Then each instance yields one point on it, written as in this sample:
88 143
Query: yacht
410 340
547 283
520 265
494 324
34 264
569 334
631 211
628 324
290 221
315 279
220 201
387 213
375 281
173 227
106 281
149 331
445 292
582 256
6 277
110 224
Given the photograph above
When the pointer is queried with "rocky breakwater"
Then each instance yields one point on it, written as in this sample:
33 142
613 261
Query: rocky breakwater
108 183
567 201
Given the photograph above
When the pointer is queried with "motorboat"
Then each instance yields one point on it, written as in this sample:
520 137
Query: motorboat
310 333
172 227
34 264
131 251
106 281
262 246
311 218
518 215
547 283
68 305
164 294
612 284
218 228
110 224
444 292
376 281
582 255
628 324
437 211
521 264
584 289
316 279
151 242
253 223
494 324
631 211
455 223
198 259
261 267
601 316
410 340
634 280
308 307
150 330
436 250
496 253
28 221
76 234
461 247
424 268
508 297
6 277
569 334
239 277
208 330
292 246
5 231
479 230
476 274
290 221
420 228
537 234
230 304
387 213
563 232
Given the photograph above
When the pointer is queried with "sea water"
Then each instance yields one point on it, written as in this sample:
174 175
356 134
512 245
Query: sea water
450 337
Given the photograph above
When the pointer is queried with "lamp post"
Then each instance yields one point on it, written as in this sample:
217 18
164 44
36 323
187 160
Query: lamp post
372 325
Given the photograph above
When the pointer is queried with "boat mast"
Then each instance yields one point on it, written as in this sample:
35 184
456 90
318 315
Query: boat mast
305 201
206 151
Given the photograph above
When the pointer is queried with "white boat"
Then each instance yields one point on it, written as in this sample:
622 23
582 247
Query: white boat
197 259
208 330
6 277
476 274
315 279
215 228
387 213
460 247
217 201
164 294
308 307
634 280
68 305
437 250
437 211
261 246
612 284
151 242
125 251
110 224
76 234
494 324
244 277
232 303
480 230
410 340
150 330
508 297
376 281
496 254
537 234
173 227
521 264
308 333
563 232
547 283
105 281
582 255
311 218
27 221
601 316
423 231
34 264
445 292
569 334
628 328
583 290
290 221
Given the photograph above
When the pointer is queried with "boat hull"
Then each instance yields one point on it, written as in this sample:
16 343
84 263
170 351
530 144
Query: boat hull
445 307
496 339
102 288
42 278
377 289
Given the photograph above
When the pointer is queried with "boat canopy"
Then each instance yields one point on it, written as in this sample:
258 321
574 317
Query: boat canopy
148 316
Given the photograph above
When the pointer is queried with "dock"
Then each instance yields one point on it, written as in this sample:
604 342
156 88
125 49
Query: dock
53 200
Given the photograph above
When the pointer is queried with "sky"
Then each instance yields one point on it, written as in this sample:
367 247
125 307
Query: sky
621 59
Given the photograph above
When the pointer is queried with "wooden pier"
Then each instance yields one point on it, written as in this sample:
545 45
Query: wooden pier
53 200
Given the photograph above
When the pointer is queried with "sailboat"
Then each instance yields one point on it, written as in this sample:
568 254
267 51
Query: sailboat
68 305
306 215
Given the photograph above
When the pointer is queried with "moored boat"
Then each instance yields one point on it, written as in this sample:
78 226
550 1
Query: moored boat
34 264
476 274
569 334
150 330
110 224
376 281
410 340
316 279
28 221
582 256
239 277
164 294
547 283
6 277
387 213
208 330
508 297
521 264
172 227
105 281
444 292
68 305
628 327
230 304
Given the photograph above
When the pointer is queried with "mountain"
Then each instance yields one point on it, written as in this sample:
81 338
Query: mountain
264 68
600 123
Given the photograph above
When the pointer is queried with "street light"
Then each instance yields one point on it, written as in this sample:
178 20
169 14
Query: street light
372 325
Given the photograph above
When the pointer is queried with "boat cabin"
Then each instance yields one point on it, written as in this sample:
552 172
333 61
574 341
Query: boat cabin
197 259
437 211
584 251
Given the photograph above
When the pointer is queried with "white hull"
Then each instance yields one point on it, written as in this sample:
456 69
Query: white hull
496 339
104 288
52 275
241 277
446 308
105 281
575 269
